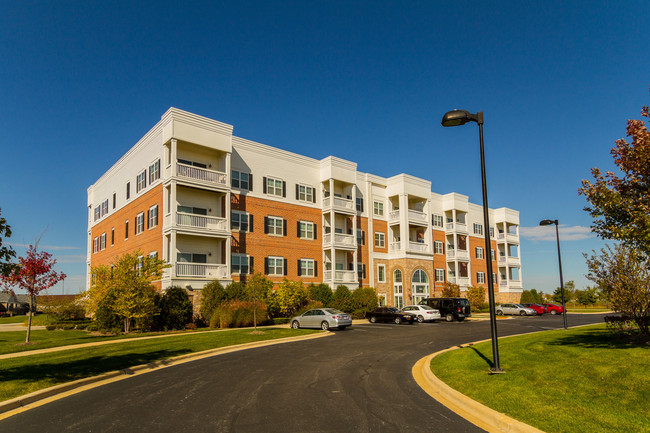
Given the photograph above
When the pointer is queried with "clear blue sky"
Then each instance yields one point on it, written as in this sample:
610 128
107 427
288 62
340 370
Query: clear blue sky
82 81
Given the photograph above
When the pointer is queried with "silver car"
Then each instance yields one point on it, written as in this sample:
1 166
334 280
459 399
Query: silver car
424 313
323 318
515 309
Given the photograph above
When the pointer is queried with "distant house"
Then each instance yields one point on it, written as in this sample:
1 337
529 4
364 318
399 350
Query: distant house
11 304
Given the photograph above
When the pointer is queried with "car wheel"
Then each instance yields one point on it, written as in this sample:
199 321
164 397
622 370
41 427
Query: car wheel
342 328
295 324
553 312
373 319
420 319
398 320
522 313
460 319
324 326
449 317
499 313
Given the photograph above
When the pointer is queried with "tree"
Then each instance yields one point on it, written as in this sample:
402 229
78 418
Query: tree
476 297
569 293
236 291
288 298
363 300
623 275
588 296
212 295
128 285
342 299
258 289
175 308
450 290
6 252
34 273
531 297
321 293
620 204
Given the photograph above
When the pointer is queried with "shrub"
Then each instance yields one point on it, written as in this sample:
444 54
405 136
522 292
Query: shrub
65 309
620 324
363 300
289 297
342 299
236 314
321 293
476 297
531 297
236 291
450 290
190 326
281 320
105 317
175 308
212 295
50 327
92 327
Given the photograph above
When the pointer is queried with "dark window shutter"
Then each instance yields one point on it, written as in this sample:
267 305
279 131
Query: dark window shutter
264 185
266 265
298 229
350 266
315 268
250 223
299 271
361 205
156 215
285 267
364 271
250 183
284 189
313 196
148 218
363 238
266 225
297 192
315 231
284 227
250 265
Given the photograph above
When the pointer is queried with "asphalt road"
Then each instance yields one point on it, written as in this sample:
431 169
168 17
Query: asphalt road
357 380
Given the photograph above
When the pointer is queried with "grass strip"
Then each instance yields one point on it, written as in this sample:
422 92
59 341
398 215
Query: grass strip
582 379
24 375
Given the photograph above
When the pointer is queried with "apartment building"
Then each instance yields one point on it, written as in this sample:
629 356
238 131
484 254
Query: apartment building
216 206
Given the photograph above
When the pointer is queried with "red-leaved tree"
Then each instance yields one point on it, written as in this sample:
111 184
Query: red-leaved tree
34 273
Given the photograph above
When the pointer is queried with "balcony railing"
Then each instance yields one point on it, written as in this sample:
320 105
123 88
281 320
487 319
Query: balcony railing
419 247
340 276
393 215
395 246
451 280
184 219
201 270
463 281
201 174
457 254
338 203
340 240
457 227
416 215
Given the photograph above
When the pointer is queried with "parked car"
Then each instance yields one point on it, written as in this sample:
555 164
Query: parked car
423 313
514 309
390 314
450 308
540 309
554 309
323 318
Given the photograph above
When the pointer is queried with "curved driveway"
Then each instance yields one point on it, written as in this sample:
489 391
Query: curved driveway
358 380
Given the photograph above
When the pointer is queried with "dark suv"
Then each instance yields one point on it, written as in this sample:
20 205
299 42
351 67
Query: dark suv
450 308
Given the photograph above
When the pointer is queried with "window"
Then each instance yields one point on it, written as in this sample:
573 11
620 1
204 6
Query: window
274 226
154 172
112 236
191 258
493 255
141 181
192 210
192 163
306 267
359 204
478 229
239 264
380 240
438 247
398 288
102 242
153 255
491 232
479 253
241 180
126 230
153 216
440 275
139 265
275 266
114 200
128 190
480 277
420 286
437 221
361 270
274 187
381 273
305 230
305 193
95 245
98 212
105 207
378 208
239 221
361 237
139 223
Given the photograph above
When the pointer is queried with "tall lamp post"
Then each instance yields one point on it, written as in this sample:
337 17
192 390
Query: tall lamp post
461 117
559 259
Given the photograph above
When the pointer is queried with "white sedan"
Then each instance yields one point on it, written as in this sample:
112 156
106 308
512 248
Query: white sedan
424 313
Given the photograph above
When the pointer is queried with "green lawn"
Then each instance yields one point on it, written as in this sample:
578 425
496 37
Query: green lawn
581 379
30 373
14 319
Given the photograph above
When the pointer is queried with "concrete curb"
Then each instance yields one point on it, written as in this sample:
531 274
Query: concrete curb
23 403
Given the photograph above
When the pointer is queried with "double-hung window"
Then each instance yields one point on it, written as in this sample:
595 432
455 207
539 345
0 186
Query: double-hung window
359 204
437 221
378 208
154 172
274 187
275 226
480 277
98 212
102 242
306 230
275 265
380 240
95 245
479 253
141 181
239 264
438 247
305 193
239 221
153 216
440 275
478 229
381 273
307 268
105 207
240 180
139 223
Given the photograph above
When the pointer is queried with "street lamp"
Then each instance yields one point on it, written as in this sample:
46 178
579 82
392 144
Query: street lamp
559 259
461 117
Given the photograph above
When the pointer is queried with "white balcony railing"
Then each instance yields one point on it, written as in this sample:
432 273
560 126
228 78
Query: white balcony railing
395 246
201 221
463 281
338 203
416 215
457 254
419 247
201 174
393 215
340 276
457 227
340 240
503 283
451 280
201 270
502 259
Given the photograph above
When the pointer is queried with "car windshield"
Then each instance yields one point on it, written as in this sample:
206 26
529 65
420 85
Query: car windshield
393 309
333 311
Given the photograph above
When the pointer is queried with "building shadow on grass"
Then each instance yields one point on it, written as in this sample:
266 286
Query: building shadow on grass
599 339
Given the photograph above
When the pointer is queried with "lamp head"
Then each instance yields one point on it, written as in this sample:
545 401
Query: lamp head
461 117
547 222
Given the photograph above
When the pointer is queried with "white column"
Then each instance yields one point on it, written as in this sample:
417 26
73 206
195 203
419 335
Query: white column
354 232
403 222
174 155
332 234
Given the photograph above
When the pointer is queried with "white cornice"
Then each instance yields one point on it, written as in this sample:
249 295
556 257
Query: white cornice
195 120
274 152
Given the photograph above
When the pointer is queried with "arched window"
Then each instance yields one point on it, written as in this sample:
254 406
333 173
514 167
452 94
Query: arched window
398 288
420 286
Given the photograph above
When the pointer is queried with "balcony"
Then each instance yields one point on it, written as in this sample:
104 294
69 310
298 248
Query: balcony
340 276
457 227
463 281
508 237
339 240
414 217
418 247
201 175
201 270
458 254
339 204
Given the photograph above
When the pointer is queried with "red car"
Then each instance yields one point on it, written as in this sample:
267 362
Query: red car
539 309
554 309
